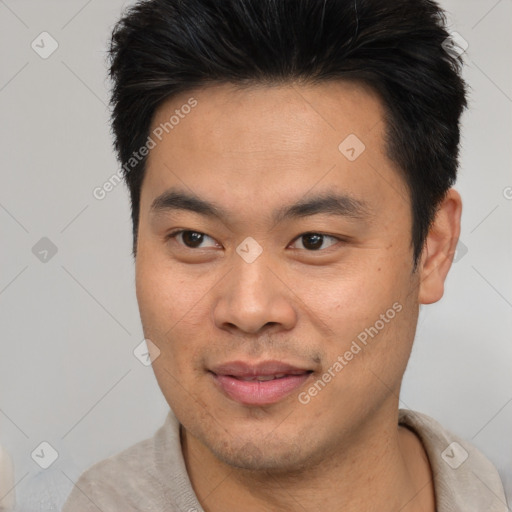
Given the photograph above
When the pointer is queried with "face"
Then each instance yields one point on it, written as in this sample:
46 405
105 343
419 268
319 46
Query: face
267 249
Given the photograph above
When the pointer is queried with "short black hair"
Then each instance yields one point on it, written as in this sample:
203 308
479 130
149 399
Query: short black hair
160 48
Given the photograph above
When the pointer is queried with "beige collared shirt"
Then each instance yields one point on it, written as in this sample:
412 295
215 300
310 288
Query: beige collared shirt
150 476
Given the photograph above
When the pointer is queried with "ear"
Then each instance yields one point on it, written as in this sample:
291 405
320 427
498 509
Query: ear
439 248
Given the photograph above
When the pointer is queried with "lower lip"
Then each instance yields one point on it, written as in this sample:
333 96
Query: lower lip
253 392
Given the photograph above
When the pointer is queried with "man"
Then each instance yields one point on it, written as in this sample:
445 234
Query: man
290 165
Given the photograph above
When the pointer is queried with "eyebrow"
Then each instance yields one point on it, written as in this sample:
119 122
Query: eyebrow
329 203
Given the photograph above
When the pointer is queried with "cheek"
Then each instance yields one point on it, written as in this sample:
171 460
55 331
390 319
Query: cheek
351 296
165 296
166 306
371 303
170 310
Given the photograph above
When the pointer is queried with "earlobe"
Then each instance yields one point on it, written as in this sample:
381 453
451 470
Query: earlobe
439 248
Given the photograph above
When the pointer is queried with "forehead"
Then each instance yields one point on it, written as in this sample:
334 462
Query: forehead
272 116
263 141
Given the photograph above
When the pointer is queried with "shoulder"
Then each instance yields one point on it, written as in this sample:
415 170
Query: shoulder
133 479
464 478
108 484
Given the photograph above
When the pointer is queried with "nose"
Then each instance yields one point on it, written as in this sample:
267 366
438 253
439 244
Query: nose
254 298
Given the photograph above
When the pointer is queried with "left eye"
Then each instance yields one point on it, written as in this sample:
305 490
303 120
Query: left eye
314 241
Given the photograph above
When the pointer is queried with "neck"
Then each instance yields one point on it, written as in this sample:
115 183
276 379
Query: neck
383 468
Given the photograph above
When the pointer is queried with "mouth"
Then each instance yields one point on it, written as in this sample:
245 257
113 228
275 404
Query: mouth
264 383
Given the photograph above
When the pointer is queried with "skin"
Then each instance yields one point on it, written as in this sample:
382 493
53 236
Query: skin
251 151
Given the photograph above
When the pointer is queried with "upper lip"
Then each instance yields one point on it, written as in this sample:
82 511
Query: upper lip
263 368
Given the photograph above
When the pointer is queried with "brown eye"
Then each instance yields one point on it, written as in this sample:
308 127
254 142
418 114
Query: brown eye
314 241
191 239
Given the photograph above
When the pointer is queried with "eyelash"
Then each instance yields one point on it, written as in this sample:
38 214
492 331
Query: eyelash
178 232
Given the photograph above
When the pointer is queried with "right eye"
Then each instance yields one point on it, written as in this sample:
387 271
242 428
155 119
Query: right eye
190 239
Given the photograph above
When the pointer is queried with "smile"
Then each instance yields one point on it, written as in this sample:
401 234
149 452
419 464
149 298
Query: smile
259 384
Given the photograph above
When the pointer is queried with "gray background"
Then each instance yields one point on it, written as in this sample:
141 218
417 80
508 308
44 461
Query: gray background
70 324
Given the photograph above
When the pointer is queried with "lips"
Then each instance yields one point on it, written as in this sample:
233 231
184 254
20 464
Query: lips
263 368
262 383
265 378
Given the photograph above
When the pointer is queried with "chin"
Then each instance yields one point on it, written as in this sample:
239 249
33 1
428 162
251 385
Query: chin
274 457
